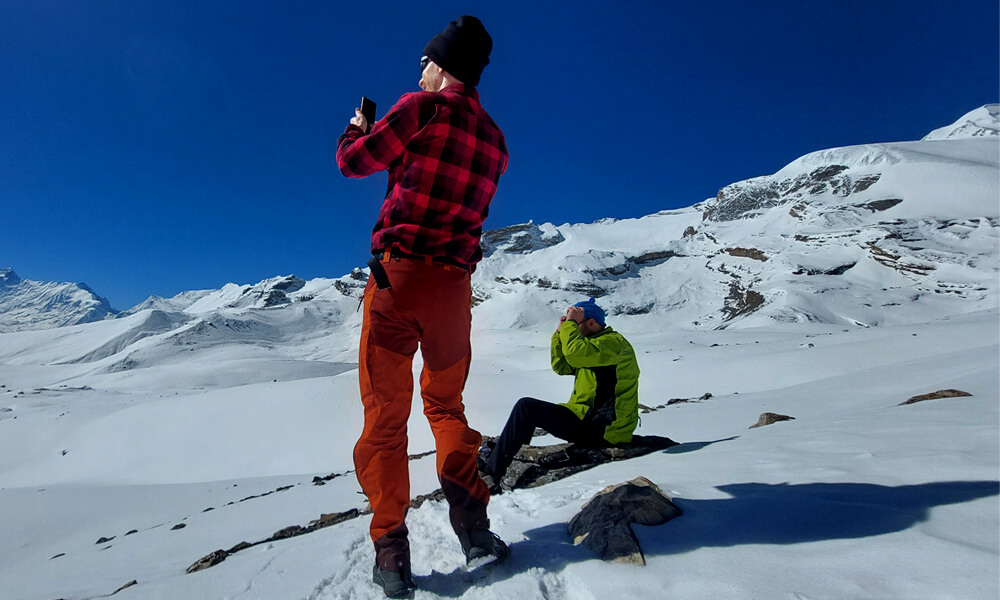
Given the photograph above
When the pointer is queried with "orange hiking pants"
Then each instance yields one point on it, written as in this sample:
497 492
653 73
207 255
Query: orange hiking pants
429 304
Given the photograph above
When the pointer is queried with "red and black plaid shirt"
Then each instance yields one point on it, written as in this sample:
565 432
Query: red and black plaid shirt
445 156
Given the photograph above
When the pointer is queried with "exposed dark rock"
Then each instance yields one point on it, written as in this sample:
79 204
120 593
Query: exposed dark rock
132 531
631 309
518 239
322 480
741 301
604 522
753 253
289 284
587 289
690 231
435 496
276 297
538 465
864 183
738 201
673 401
950 393
104 540
840 270
127 585
207 561
769 418
345 289
238 547
826 173
880 205
657 257
891 260
746 199
178 526
326 520
287 532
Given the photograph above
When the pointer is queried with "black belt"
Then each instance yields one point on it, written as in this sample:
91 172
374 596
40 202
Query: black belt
382 279
384 255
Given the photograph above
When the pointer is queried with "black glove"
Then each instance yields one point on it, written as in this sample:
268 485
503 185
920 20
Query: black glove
600 418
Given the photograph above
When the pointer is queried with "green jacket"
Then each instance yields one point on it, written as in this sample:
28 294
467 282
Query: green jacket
606 385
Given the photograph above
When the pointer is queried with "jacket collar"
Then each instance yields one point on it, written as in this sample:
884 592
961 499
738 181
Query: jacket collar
464 90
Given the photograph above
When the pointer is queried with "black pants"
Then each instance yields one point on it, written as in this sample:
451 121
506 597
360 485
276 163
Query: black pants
530 413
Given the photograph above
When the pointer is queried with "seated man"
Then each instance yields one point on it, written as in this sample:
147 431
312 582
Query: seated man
604 407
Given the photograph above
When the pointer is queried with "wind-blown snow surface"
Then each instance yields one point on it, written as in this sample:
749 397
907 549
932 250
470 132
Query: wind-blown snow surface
837 288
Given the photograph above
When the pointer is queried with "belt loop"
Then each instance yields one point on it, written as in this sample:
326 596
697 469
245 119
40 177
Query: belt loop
387 255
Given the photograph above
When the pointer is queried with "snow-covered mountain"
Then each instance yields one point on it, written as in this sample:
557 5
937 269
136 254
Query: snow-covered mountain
861 236
26 305
830 291
981 122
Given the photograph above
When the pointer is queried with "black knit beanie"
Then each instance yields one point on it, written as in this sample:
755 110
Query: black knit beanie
463 49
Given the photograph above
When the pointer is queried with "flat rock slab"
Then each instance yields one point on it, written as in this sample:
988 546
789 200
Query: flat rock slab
538 465
604 522
936 396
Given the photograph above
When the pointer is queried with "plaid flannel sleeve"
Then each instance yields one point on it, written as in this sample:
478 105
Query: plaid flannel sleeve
360 155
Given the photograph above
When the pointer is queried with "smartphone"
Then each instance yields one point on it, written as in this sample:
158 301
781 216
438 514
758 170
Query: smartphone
368 110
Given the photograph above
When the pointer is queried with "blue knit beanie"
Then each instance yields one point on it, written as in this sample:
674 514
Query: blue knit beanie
592 311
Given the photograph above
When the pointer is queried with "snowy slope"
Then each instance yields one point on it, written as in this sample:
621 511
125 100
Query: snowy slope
26 305
981 122
831 291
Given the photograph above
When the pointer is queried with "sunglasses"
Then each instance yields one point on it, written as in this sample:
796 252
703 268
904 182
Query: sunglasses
423 64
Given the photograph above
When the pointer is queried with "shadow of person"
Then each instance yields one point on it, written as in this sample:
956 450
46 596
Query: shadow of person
695 446
761 513
755 513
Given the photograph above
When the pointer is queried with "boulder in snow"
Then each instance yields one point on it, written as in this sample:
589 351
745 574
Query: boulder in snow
770 418
603 524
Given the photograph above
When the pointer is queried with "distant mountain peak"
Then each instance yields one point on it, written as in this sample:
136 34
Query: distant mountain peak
8 277
27 305
981 122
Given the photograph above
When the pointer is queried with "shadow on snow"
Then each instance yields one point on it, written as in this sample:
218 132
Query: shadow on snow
756 513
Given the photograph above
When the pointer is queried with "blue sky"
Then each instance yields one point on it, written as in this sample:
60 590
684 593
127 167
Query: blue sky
156 147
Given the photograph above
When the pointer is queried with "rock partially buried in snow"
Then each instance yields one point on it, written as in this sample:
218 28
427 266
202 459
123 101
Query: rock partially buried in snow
207 561
538 465
603 524
936 396
769 418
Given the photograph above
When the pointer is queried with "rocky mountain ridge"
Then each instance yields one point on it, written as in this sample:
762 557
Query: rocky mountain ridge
861 236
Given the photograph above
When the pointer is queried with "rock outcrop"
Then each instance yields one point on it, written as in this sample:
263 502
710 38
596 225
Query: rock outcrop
770 418
604 522
538 465
936 396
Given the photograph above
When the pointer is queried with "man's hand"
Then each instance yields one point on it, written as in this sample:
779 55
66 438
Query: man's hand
575 313
359 120
562 320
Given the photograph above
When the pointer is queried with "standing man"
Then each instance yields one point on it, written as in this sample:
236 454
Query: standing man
445 156
604 407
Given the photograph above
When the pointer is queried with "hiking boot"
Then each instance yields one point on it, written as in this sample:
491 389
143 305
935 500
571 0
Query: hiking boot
397 584
482 547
